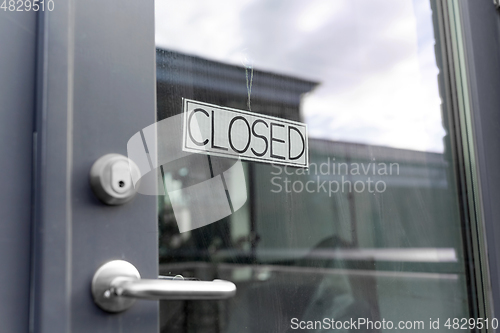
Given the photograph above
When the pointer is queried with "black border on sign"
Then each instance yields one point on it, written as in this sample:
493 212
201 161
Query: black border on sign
185 105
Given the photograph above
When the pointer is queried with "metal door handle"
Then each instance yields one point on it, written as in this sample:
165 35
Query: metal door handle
117 284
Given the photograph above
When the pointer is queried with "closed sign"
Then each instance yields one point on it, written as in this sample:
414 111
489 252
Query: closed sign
222 131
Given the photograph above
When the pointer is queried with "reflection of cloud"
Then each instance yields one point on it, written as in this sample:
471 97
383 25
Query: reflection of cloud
206 28
375 59
317 14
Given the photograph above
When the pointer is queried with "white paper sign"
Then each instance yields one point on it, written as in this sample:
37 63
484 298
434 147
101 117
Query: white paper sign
227 132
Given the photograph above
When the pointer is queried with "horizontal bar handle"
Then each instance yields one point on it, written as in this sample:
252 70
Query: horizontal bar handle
117 284
174 289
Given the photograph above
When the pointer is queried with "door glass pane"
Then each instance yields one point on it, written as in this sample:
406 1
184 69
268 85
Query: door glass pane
372 229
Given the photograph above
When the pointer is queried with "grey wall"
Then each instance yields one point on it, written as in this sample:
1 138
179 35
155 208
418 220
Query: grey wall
17 97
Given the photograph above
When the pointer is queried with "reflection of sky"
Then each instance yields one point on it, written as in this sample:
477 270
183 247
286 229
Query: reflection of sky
374 59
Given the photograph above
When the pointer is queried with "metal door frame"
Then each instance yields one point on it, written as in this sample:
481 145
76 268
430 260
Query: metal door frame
95 89
480 24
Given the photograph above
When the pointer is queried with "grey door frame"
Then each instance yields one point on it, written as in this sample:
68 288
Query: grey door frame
95 89
17 103
481 38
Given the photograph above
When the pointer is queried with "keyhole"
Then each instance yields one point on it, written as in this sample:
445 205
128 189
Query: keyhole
121 183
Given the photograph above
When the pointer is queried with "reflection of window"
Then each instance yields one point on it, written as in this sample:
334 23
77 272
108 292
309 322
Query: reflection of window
418 180
305 251
180 75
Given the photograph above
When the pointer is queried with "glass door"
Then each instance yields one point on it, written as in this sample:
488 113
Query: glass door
373 235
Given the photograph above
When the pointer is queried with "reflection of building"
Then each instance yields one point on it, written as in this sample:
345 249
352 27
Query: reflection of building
180 75
270 246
